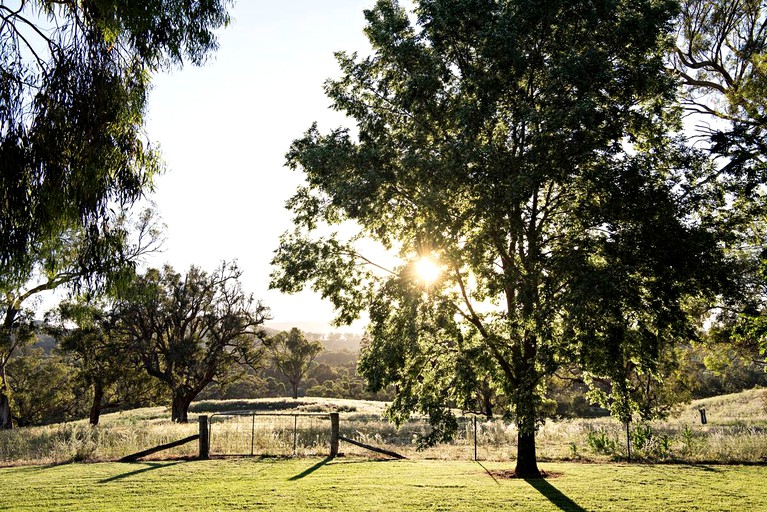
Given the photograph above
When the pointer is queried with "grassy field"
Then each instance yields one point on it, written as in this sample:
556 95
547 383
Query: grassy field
736 433
360 484
442 478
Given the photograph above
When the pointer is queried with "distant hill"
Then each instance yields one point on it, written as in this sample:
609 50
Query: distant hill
747 407
318 327
46 342
334 341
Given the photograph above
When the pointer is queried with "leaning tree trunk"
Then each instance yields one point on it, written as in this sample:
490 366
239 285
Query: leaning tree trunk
6 421
5 412
98 396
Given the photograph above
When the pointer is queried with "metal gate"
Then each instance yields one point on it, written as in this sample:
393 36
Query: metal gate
251 433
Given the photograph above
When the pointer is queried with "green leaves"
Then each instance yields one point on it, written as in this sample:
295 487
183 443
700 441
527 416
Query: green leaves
526 145
292 355
72 104
333 268
190 330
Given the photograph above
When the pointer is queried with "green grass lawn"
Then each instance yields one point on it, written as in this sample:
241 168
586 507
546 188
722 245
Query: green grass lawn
360 484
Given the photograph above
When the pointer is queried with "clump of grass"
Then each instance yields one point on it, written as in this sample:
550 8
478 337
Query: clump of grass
601 442
77 441
214 406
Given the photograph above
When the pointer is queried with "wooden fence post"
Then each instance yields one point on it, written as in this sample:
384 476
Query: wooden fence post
334 434
204 438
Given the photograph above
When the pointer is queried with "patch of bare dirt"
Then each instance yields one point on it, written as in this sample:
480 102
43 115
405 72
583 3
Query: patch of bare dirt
509 473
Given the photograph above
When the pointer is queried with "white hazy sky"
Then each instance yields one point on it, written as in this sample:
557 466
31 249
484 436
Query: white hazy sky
224 128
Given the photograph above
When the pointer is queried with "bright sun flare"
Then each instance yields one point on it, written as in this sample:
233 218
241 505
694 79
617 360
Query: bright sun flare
427 269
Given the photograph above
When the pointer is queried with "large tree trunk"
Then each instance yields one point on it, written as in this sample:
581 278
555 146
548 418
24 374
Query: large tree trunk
527 411
98 396
180 406
295 390
527 464
527 415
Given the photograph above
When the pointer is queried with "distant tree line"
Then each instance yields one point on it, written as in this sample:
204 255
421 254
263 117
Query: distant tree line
57 381
84 370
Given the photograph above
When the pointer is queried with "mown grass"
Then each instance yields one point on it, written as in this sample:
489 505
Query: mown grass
361 484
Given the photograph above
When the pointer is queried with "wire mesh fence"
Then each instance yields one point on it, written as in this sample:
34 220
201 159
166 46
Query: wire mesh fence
305 434
279 434
725 438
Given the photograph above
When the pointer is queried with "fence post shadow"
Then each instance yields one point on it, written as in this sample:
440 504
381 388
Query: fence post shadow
554 495
489 473
310 470
148 466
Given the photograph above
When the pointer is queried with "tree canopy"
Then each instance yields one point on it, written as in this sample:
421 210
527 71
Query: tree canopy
292 355
524 147
71 261
188 331
106 374
721 58
74 78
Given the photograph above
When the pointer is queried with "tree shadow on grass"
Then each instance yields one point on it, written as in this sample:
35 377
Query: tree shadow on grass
554 495
704 467
551 493
310 470
150 467
29 469
324 461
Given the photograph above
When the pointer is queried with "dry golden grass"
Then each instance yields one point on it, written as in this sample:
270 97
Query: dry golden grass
748 407
736 432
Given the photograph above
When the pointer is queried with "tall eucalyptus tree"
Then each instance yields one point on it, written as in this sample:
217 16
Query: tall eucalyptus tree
74 78
188 331
721 60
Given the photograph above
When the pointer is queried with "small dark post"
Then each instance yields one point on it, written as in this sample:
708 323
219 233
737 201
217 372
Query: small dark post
295 430
475 438
252 433
334 434
703 419
204 438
